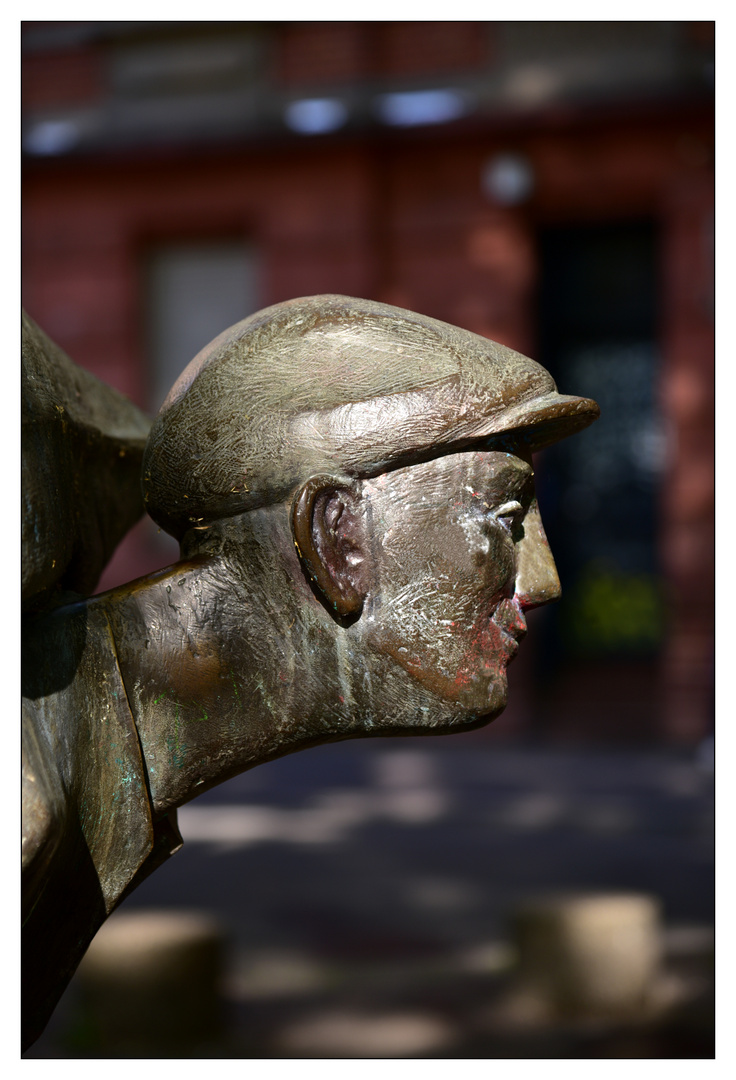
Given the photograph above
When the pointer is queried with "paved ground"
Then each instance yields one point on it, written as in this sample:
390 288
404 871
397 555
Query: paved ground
366 889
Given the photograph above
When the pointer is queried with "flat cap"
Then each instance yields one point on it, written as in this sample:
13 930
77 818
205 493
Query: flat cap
338 386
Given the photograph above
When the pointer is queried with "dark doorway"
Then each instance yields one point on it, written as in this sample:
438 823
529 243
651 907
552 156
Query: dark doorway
598 311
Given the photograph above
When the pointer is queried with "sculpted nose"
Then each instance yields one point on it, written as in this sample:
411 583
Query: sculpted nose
537 582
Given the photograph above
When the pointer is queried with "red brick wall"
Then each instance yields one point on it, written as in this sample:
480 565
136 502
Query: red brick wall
406 222
412 48
310 54
688 494
314 53
55 80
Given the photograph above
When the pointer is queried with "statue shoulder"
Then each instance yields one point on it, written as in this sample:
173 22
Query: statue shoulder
82 446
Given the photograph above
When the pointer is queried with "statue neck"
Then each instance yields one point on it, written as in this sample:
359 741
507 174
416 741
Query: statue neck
214 674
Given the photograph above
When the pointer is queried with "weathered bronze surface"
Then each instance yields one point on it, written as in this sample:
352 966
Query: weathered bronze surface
82 448
352 488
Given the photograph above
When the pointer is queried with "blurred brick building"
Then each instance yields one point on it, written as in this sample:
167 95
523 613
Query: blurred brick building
548 185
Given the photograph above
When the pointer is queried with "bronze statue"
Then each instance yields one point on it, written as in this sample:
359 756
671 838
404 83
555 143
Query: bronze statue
352 489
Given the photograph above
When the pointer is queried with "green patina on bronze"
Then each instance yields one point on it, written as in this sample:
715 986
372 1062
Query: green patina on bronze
352 487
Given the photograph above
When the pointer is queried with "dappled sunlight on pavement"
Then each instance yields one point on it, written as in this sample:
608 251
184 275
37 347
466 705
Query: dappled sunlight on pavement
368 893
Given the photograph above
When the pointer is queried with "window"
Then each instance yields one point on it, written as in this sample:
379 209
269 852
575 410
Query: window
193 292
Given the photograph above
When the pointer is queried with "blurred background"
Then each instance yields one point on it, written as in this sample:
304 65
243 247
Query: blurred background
550 186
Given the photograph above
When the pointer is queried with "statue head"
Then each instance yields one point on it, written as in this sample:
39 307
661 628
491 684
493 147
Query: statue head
392 456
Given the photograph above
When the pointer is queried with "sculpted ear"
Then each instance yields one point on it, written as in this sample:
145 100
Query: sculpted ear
328 533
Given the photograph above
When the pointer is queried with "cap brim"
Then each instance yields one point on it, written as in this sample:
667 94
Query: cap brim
544 420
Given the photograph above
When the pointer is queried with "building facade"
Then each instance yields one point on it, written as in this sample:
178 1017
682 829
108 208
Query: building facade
549 185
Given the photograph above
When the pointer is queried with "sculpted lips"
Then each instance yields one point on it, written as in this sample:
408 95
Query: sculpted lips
509 619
